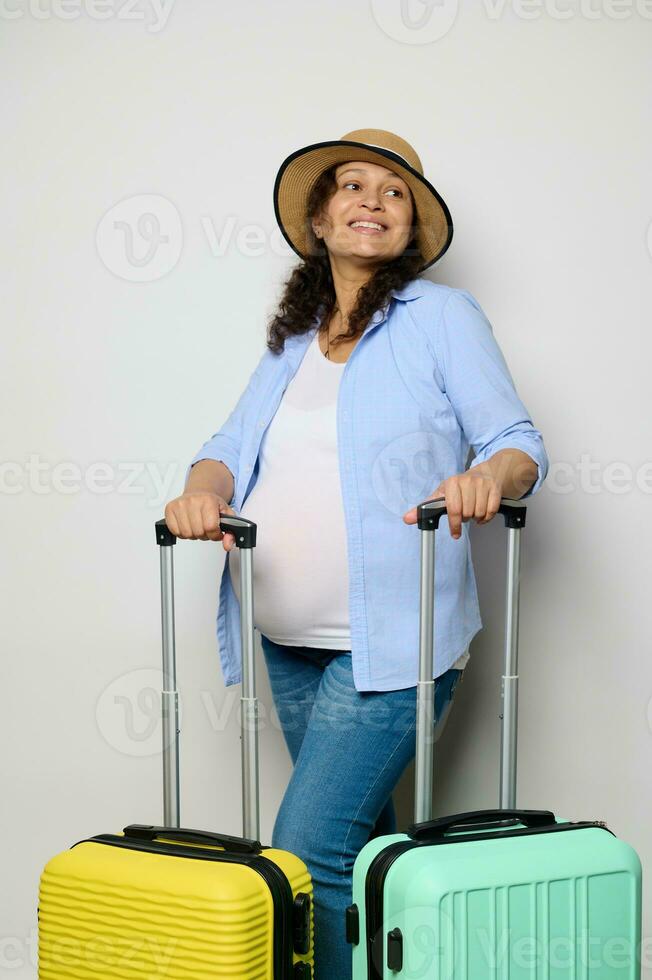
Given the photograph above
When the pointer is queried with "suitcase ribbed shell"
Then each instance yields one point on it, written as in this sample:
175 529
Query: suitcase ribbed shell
563 905
109 913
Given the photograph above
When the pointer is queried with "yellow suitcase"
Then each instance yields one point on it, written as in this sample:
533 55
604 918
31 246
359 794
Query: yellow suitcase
169 903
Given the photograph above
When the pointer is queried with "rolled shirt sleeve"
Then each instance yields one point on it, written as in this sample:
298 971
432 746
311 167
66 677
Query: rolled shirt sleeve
473 373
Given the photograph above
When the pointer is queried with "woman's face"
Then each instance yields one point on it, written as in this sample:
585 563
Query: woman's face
373 194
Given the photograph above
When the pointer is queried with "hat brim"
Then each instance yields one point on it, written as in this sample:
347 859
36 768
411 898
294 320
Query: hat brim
299 172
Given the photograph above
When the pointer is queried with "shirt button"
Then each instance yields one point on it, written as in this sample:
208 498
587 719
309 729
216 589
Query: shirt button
261 425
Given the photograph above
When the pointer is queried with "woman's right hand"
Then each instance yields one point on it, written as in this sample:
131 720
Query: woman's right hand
195 515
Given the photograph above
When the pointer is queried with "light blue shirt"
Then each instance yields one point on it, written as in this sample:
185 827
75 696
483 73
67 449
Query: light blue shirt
423 385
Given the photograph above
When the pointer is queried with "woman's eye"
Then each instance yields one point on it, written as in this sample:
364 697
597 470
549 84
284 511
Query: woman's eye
354 183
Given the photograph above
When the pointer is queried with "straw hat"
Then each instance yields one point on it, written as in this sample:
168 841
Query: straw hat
301 169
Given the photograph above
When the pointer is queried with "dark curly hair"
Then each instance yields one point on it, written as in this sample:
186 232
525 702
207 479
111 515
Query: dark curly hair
310 284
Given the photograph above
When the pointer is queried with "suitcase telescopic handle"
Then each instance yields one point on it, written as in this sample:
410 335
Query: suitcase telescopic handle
479 820
244 533
429 514
432 511
238 845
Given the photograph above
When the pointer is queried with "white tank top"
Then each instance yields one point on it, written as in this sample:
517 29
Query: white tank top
301 582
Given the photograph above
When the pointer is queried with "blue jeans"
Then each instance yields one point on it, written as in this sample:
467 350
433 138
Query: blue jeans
349 750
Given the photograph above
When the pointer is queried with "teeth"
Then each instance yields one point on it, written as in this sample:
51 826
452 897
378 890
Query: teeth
366 224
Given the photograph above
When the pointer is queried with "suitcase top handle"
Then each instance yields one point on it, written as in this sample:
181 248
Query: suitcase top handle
239 845
478 820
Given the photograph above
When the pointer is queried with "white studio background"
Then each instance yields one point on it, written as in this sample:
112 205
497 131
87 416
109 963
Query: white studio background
141 261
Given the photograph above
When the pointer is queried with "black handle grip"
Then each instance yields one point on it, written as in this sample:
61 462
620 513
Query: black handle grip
243 531
237 845
429 513
484 819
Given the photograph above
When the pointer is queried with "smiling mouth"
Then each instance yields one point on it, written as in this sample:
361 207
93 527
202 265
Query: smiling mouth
367 227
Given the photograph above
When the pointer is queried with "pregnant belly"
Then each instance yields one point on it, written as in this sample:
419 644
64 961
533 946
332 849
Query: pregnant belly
301 583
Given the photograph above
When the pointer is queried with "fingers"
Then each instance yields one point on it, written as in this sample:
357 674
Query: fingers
177 520
196 518
493 505
454 508
468 498
171 520
196 515
228 539
210 520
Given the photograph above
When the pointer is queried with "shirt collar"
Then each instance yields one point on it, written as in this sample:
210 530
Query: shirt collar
411 290
295 345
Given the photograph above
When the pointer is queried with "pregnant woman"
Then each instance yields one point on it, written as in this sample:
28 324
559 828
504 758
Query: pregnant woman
374 385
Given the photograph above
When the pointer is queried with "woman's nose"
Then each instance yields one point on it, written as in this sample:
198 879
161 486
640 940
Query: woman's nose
372 200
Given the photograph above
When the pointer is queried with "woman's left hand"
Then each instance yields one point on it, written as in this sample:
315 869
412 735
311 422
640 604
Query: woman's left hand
472 494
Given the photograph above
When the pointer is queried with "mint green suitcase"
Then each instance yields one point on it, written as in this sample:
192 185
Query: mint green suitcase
500 894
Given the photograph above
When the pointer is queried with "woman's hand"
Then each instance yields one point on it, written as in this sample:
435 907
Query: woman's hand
472 494
195 515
